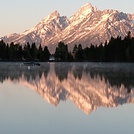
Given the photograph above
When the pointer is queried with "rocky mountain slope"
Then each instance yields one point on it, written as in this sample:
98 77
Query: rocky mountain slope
87 26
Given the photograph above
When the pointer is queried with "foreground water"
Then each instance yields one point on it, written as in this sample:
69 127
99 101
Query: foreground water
67 98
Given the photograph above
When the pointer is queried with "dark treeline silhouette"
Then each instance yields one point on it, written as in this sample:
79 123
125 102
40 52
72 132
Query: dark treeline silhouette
15 52
116 50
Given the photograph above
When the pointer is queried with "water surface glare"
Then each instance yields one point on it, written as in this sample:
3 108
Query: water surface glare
67 98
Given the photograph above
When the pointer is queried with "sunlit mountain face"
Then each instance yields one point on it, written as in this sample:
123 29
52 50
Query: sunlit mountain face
88 25
88 85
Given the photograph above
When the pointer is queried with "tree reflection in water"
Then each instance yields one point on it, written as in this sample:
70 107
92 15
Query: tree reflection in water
88 85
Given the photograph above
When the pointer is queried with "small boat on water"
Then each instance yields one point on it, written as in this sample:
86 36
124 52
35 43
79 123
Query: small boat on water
31 64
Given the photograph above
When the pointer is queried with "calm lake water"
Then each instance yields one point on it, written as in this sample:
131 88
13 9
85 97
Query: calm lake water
67 98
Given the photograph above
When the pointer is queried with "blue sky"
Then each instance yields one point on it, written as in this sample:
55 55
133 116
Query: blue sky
19 15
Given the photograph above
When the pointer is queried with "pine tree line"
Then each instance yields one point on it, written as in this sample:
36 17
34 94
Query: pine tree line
15 52
116 50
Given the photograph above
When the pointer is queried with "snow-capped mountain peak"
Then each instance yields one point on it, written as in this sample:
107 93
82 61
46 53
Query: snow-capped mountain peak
83 12
88 7
87 26
52 16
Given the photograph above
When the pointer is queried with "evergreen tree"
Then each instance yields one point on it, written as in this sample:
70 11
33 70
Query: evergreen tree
61 52
46 53
131 50
27 55
2 50
40 53
79 53
7 52
33 51
86 53
12 51
75 49
20 52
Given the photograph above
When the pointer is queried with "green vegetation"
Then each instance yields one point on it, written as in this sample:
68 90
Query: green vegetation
116 50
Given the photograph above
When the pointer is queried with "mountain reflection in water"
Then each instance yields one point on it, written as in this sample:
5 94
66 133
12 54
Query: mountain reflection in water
87 85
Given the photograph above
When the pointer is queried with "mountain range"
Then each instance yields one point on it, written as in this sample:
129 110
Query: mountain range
87 26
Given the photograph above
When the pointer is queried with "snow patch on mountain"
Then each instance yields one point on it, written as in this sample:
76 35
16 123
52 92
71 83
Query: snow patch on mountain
82 13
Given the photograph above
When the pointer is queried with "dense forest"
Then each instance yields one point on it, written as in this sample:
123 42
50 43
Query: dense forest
116 50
